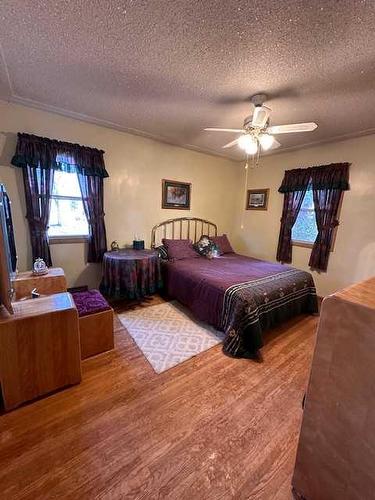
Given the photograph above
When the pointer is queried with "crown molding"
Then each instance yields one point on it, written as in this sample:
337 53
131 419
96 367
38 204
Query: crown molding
322 142
31 103
6 69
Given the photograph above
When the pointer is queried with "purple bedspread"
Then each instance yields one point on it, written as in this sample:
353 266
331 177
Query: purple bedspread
240 295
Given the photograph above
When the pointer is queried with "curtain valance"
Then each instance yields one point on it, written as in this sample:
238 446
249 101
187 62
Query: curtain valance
34 151
297 179
333 176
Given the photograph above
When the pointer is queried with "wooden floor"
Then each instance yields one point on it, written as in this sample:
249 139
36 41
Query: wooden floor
211 428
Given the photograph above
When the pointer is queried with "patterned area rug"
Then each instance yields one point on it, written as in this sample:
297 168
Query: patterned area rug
167 334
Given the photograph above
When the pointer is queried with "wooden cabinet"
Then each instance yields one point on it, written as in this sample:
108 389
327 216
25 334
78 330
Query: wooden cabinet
52 282
39 348
336 450
96 333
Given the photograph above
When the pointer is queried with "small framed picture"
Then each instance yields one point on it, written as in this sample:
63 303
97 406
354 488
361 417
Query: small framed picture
257 199
176 195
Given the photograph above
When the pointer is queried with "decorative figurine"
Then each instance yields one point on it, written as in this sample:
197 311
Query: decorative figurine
114 246
40 267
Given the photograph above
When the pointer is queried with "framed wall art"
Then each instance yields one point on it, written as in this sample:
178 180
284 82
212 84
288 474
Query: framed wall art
176 194
257 199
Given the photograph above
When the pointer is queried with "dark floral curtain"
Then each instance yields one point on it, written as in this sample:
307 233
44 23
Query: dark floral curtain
92 196
328 184
292 204
38 185
294 187
39 157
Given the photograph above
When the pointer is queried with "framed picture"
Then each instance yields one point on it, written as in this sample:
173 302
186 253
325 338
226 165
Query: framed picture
176 194
257 199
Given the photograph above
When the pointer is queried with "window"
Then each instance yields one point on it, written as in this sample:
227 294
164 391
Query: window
67 216
305 230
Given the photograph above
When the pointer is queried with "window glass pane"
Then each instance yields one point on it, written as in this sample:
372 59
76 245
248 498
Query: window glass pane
308 201
305 228
67 218
66 184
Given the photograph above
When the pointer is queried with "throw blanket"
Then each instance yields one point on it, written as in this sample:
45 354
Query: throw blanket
254 306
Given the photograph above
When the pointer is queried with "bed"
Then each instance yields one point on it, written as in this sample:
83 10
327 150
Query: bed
239 295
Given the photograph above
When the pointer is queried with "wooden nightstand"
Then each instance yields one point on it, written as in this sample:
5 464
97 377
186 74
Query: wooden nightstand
53 282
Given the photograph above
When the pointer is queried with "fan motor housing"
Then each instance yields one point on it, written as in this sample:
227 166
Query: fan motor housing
258 99
247 123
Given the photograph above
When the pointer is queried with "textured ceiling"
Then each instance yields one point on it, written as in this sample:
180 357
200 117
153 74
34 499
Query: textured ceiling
168 68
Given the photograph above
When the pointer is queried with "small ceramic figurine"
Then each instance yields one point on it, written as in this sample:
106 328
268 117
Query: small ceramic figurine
114 246
40 267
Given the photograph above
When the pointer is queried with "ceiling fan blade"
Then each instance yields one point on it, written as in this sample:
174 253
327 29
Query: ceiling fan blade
213 129
275 144
230 144
260 116
294 127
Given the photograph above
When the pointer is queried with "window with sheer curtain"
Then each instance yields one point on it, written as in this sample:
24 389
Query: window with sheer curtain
63 192
305 229
67 216
312 200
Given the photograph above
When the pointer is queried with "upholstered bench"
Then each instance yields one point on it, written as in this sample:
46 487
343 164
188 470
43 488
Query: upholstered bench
95 322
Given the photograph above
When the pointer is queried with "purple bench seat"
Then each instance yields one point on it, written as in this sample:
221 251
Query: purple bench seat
90 302
95 322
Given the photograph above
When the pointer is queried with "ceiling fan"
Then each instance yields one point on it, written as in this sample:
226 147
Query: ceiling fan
256 133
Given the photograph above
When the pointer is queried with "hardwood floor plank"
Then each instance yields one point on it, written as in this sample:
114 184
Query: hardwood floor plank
211 427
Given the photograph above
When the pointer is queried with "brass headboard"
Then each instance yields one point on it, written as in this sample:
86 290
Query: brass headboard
183 227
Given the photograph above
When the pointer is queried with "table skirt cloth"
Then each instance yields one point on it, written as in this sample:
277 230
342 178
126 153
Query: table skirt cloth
130 274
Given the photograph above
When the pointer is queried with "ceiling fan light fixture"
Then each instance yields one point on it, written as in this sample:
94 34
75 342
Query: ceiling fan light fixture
266 141
252 146
243 141
252 150
247 142
256 134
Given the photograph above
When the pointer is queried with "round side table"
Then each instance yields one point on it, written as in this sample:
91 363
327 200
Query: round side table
130 274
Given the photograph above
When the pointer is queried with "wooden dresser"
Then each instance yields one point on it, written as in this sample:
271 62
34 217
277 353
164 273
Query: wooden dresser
336 450
39 348
52 282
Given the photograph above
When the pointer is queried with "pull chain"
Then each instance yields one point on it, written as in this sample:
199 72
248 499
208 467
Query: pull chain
245 191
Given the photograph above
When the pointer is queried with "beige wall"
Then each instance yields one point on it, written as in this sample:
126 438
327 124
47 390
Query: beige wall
132 193
353 258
